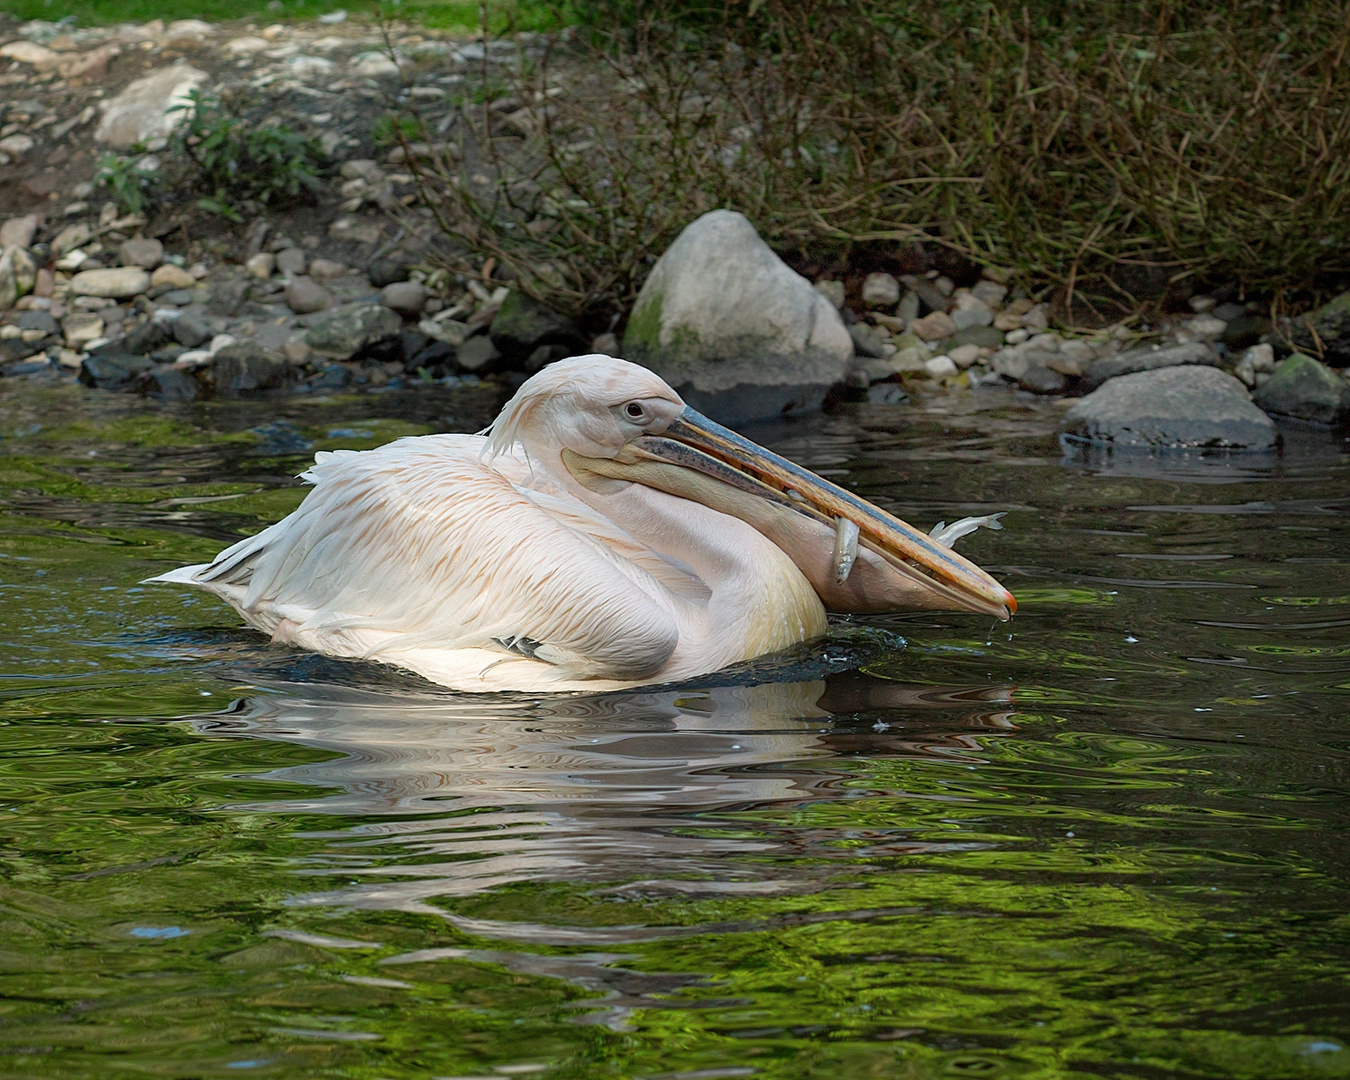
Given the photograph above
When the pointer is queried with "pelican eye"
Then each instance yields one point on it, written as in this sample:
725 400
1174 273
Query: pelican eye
634 411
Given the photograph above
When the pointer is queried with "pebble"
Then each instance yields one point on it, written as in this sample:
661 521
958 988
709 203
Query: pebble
406 297
297 352
880 290
934 326
990 292
1202 328
292 261
142 252
969 310
172 277
1255 362
16 146
120 283
305 296
326 269
833 291
80 328
941 366
191 331
964 355
18 232
261 265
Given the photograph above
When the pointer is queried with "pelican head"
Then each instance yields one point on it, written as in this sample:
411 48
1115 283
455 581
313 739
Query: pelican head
609 424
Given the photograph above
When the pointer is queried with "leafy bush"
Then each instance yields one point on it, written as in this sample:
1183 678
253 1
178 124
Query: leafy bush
1091 145
237 161
129 181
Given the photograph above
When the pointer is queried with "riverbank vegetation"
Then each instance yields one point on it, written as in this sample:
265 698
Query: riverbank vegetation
1113 151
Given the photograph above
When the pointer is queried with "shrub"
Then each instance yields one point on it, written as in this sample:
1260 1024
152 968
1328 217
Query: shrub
1075 141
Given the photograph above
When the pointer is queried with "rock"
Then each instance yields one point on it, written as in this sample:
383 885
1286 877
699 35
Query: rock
1149 358
985 337
1202 328
1258 360
1329 325
327 269
930 296
71 238
1245 330
332 377
18 232
145 339
1228 312
908 308
408 298
147 254
29 52
990 293
1192 406
1013 361
355 230
261 265
292 261
110 371
964 355
169 276
120 283
833 291
935 326
169 384
478 354
384 272
1036 318
879 290
1303 389
867 341
734 329
246 367
141 112
37 320
81 328
18 274
227 296
297 352
969 310
606 344
305 296
190 331
351 329
522 325
16 146
941 367
1041 379
1201 304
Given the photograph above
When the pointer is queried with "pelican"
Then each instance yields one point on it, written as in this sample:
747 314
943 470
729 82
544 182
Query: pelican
600 535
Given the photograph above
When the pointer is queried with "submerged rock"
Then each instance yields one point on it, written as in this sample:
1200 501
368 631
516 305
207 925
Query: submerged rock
247 367
734 329
1176 408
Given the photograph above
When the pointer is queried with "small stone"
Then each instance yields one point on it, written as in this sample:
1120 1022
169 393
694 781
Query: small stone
867 341
16 146
80 328
120 283
1201 304
1245 330
261 265
945 285
408 298
191 331
1228 312
1303 389
606 344
384 272
989 292
292 261
986 337
1258 360
879 290
355 230
18 232
1036 318
303 296
940 367
1017 336
969 310
833 291
930 299
171 277
964 355
146 338
1008 322
37 320
18 275
1041 379
478 353
297 352
221 341
934 326
327 269
142 252
169 384
908 308
1202 328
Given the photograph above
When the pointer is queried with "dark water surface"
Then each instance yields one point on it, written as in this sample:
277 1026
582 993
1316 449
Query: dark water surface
1111 837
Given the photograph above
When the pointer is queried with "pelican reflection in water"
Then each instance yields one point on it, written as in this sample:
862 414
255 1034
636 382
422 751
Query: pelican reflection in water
602 536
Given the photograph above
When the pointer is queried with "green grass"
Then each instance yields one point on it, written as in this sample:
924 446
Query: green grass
440 14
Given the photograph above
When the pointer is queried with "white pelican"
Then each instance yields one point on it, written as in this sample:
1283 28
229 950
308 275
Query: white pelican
603 535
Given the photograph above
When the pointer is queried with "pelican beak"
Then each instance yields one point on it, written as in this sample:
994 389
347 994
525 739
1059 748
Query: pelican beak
906 567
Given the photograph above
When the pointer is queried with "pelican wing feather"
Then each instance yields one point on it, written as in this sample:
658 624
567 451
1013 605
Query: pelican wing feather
419 547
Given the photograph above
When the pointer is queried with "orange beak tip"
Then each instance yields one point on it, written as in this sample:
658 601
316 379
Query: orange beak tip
1010 602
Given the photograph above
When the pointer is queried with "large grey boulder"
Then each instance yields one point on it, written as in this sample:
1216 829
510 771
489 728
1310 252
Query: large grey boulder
1177 408
1303 389
735 330
1148 358
145 109
1331 324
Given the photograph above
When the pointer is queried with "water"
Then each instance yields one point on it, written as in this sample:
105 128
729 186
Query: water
1109 837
